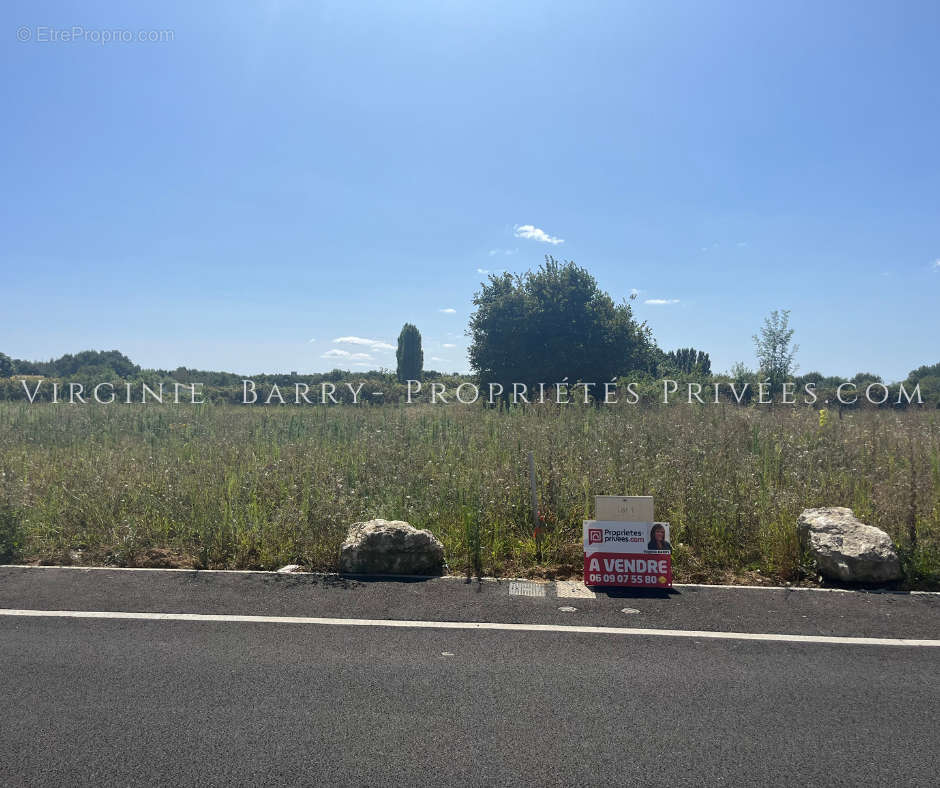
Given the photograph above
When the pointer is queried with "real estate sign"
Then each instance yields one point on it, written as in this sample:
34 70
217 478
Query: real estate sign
618 553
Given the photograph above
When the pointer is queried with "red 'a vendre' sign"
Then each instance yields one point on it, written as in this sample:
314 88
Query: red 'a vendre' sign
635 555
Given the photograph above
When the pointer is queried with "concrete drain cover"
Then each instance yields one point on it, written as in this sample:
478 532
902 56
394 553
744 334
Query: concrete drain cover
522 588
573 589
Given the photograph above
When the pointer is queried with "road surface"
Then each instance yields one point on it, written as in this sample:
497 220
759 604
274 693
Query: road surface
302 680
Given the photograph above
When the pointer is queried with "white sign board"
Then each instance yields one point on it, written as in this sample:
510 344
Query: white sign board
625 508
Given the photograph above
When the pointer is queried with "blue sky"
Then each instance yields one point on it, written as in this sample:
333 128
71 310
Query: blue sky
285 172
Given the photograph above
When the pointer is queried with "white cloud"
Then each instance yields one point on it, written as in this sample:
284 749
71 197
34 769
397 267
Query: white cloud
483 270
534 233
313 340
337 353
936 265
494 252
742 244
448 344
438 358
375 344
661 301
448 311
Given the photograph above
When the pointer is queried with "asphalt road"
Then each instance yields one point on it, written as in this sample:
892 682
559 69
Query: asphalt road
98 701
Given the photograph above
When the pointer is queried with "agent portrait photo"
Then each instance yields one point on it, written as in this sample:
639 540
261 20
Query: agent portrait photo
658 539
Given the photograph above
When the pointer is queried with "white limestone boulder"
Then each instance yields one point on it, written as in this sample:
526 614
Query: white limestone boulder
390 547
846 549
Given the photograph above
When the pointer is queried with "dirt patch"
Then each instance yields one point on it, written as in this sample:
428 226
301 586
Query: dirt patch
148 558
161 558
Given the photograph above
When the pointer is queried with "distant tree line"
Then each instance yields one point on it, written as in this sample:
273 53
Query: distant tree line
101 364
550 326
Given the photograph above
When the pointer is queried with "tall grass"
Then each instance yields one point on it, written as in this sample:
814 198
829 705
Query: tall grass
242 487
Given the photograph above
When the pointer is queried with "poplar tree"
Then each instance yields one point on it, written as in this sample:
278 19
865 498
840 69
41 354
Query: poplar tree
774 349
409 354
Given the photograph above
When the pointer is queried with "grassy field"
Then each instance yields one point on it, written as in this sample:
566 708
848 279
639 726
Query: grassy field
240 487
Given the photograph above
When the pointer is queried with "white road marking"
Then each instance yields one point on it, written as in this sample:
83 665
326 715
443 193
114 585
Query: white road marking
139 569
478 625
824 589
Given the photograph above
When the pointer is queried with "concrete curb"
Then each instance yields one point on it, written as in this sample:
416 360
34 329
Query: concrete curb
424 578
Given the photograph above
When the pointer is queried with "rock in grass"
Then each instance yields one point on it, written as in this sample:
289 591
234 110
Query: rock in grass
390 547
846 549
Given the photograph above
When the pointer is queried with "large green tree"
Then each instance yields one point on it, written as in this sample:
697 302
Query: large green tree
409 354
6 366
924 372
551 324
928 378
